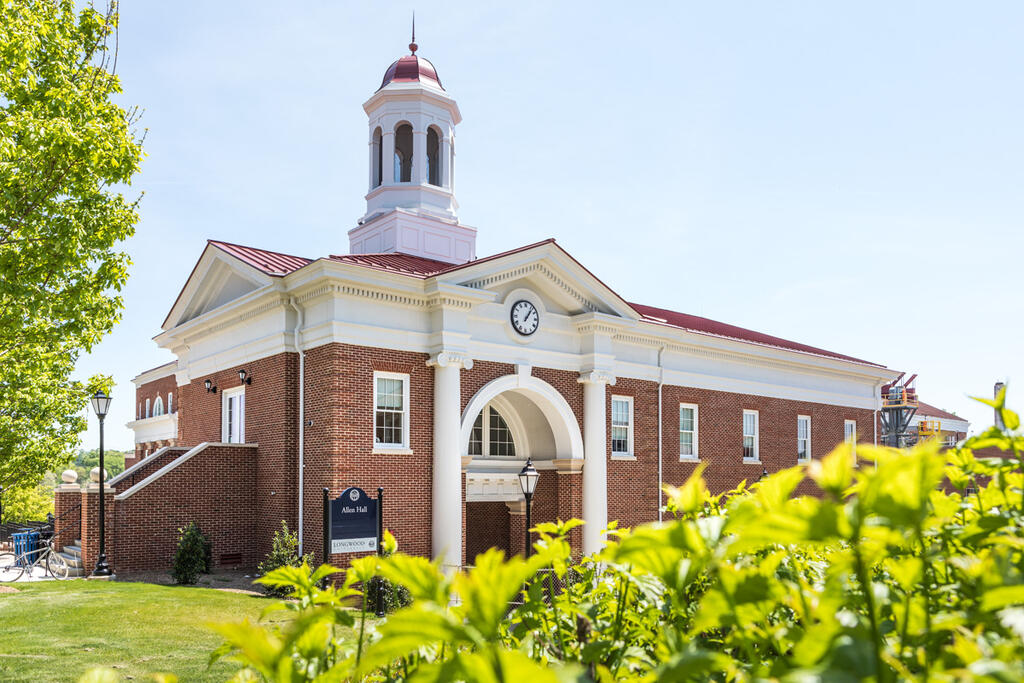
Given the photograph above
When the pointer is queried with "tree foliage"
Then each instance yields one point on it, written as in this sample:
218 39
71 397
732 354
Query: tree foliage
909 567
66 148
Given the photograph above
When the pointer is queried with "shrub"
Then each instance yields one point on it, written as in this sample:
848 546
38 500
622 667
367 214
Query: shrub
284 552
382 595
894 573
29 503
192 557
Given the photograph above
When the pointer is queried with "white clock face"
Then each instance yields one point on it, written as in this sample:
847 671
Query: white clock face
525 318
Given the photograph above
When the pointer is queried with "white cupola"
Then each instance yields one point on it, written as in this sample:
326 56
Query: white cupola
410 205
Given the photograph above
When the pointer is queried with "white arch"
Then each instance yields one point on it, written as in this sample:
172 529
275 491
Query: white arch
563 422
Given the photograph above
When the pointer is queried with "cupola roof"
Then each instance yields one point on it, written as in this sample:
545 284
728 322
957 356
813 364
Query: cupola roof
411 68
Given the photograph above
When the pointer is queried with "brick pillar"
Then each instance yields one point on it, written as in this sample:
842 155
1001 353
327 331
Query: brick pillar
516 527
67 511
570 499
91 525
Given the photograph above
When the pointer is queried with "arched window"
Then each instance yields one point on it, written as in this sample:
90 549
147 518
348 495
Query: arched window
378 158
403 153
170 402
148 414
158 407
433 157
496 440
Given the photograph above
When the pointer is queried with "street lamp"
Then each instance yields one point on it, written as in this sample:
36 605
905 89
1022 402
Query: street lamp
764 473
528 477
101 404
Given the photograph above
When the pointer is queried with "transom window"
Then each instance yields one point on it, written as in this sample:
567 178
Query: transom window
622 425
391 410
233 415
750 435
496 440
687 431
803 438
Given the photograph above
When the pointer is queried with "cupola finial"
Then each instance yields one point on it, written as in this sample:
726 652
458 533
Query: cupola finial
413 46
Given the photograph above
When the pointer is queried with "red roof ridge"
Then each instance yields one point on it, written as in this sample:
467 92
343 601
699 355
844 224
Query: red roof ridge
701 325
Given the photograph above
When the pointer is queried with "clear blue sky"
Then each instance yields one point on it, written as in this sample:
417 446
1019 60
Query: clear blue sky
845 175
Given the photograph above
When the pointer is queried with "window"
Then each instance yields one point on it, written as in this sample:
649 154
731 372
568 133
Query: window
403 153
170 402
687 431
233 415
378 158
622 425
970 490
850 433
148 414
433 157
750 436
138 411
803 438
158 407
391 410
496 440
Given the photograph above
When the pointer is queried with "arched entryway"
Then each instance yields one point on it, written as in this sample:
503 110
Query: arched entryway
508 420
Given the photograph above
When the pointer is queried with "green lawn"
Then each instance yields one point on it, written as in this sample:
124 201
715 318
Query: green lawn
56 630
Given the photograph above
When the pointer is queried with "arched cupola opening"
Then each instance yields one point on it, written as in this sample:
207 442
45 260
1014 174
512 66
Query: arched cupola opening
403 153
433 156
378 157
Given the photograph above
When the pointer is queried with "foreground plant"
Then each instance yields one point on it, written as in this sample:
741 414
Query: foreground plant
895 573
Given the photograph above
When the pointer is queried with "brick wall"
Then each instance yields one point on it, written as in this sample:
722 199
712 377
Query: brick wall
148 467
151 390
215 489
339 442
487 526
271 420
91 526
67 514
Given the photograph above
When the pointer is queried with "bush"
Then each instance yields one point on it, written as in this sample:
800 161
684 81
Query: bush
284 552
26 504
895 573
391 596
192 557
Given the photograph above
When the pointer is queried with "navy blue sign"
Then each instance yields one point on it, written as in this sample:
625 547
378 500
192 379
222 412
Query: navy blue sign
353 522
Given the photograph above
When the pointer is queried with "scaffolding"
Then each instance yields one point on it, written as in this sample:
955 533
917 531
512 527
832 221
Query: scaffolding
899 405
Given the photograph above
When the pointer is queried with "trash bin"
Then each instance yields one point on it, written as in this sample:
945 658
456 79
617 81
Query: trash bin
26 546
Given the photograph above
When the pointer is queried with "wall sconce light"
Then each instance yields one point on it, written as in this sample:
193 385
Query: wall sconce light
210 388
244 376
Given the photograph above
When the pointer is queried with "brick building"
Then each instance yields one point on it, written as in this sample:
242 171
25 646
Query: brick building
411 364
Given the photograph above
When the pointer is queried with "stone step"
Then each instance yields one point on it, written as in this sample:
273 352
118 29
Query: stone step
76 571
73 561
75 550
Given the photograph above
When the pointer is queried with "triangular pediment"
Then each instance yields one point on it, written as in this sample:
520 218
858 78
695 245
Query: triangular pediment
549 271
217 280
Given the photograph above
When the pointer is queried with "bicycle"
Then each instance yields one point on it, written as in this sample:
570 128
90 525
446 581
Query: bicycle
13 565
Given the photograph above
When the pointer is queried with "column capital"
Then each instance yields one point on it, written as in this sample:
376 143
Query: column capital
597 377
449 359
568 465
516 507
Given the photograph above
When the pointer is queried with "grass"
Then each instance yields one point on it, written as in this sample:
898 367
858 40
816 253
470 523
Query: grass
57 630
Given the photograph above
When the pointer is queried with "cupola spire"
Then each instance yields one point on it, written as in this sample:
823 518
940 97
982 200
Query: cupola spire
413 46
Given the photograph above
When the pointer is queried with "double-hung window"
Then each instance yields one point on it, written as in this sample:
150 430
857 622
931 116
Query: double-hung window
688 431
803 438
233 415
850 434
750 436
391 410
622 426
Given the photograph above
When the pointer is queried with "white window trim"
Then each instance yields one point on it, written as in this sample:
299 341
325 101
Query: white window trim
629 454
757 436
809 440
225 395
391 448
696 428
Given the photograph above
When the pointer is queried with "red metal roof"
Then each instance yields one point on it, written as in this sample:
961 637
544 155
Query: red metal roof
405 264
270 262
693 323
411 68
925 410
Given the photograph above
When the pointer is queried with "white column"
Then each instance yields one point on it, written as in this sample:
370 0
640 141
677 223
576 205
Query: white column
446 164
419 157
387 140
446 502
595 459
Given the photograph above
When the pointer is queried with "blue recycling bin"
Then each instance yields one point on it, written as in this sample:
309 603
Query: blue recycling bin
25 542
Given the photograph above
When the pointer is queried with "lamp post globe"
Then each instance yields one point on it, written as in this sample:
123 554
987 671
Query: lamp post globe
101 405
528 477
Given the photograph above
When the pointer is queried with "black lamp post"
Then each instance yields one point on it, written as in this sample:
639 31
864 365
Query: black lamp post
101 404
528 477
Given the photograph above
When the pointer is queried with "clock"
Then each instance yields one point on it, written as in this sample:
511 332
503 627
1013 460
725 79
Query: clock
525 319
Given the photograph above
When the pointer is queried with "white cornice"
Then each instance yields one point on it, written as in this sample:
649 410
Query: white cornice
159 372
